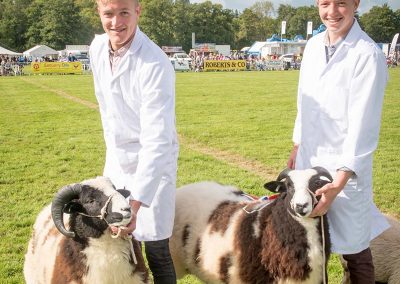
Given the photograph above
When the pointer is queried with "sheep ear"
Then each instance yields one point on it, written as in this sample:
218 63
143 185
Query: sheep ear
72 207
275 186
125 193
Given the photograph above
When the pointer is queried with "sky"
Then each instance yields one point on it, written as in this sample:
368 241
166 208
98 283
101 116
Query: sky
365 5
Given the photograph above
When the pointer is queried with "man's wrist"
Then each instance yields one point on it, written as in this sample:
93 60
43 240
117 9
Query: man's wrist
135 205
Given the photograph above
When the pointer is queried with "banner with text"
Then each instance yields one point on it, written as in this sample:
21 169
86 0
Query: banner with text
224 65
57 67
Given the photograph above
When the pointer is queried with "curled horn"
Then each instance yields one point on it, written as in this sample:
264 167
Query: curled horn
323 172
284 174
63 196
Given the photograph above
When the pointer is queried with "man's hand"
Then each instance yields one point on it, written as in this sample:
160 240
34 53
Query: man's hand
124 231
292 158
329 192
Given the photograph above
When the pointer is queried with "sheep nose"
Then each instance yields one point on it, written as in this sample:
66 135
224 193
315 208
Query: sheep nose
300 208
128 212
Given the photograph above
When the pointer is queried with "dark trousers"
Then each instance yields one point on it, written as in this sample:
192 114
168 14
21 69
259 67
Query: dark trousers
160 261
360 267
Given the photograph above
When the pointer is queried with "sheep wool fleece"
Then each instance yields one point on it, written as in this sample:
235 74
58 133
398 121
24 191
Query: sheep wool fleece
337 125
137 107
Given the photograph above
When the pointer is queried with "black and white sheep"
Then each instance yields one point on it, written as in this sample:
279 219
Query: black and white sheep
217 240
385 251
86 252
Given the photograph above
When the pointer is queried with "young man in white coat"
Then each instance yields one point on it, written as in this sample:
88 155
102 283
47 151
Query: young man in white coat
135 88
342 82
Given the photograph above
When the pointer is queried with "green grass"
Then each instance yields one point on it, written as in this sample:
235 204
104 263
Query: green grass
48 141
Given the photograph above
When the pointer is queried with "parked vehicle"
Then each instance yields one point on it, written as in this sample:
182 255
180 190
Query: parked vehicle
181 61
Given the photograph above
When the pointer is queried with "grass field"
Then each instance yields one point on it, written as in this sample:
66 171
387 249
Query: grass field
234 128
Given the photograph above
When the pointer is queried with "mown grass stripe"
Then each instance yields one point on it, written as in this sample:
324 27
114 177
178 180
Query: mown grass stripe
228 157
62 94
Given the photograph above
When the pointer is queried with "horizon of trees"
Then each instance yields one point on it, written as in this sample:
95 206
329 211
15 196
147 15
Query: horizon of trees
56 23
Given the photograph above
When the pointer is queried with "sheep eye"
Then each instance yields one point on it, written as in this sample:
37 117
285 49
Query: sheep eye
318 183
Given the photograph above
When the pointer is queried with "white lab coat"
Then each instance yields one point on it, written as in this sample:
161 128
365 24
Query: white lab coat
337 125
137 107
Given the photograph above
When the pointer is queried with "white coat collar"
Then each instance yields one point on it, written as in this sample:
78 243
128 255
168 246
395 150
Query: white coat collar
125 62
353 35
350 39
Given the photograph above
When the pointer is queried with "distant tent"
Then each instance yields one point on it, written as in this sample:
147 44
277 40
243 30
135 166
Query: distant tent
298 38
40 51
255 49
274 37
4 51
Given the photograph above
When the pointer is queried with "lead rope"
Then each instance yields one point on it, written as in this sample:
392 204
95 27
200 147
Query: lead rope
323 237
323 250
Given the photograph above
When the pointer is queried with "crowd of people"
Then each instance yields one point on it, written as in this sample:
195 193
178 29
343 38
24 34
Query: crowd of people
253 62
14 65
11 65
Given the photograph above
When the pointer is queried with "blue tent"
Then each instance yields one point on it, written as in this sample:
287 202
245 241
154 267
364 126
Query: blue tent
320 29
298 38
274 37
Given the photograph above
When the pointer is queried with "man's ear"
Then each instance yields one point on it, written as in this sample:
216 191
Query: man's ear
138 10
356 4
275 186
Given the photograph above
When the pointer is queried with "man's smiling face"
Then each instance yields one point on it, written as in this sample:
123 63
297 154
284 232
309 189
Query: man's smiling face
119 19
337 15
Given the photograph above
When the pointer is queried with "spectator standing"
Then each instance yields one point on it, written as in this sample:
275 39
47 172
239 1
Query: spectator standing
340 94
71 57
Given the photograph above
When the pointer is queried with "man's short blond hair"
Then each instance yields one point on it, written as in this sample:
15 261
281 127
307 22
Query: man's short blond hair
108 1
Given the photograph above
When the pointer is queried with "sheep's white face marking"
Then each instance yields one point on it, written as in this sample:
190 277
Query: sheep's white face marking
118 203
302 201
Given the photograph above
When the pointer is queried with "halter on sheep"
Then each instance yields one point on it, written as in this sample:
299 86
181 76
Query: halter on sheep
86 252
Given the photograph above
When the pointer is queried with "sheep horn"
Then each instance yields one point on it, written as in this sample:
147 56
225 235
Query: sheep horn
63 196
284 174
323 172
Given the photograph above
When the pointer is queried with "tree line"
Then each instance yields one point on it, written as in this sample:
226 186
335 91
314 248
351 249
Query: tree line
26 23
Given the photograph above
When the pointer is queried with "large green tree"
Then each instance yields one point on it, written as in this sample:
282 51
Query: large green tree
182 24
25 23
89 16
212 23
55 23
381 23
13 24
256 24
157 21
297 24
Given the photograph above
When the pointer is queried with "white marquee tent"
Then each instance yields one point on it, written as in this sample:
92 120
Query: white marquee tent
4 51
41 50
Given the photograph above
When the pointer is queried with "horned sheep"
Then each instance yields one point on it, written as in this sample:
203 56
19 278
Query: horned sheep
83 249
222 237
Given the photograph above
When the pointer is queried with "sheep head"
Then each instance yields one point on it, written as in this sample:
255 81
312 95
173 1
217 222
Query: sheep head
96 200
299 187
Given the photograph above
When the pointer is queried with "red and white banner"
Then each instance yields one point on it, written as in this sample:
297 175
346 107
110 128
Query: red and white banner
393 45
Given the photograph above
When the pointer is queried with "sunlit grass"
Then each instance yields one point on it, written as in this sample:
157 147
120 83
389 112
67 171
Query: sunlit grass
48 141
